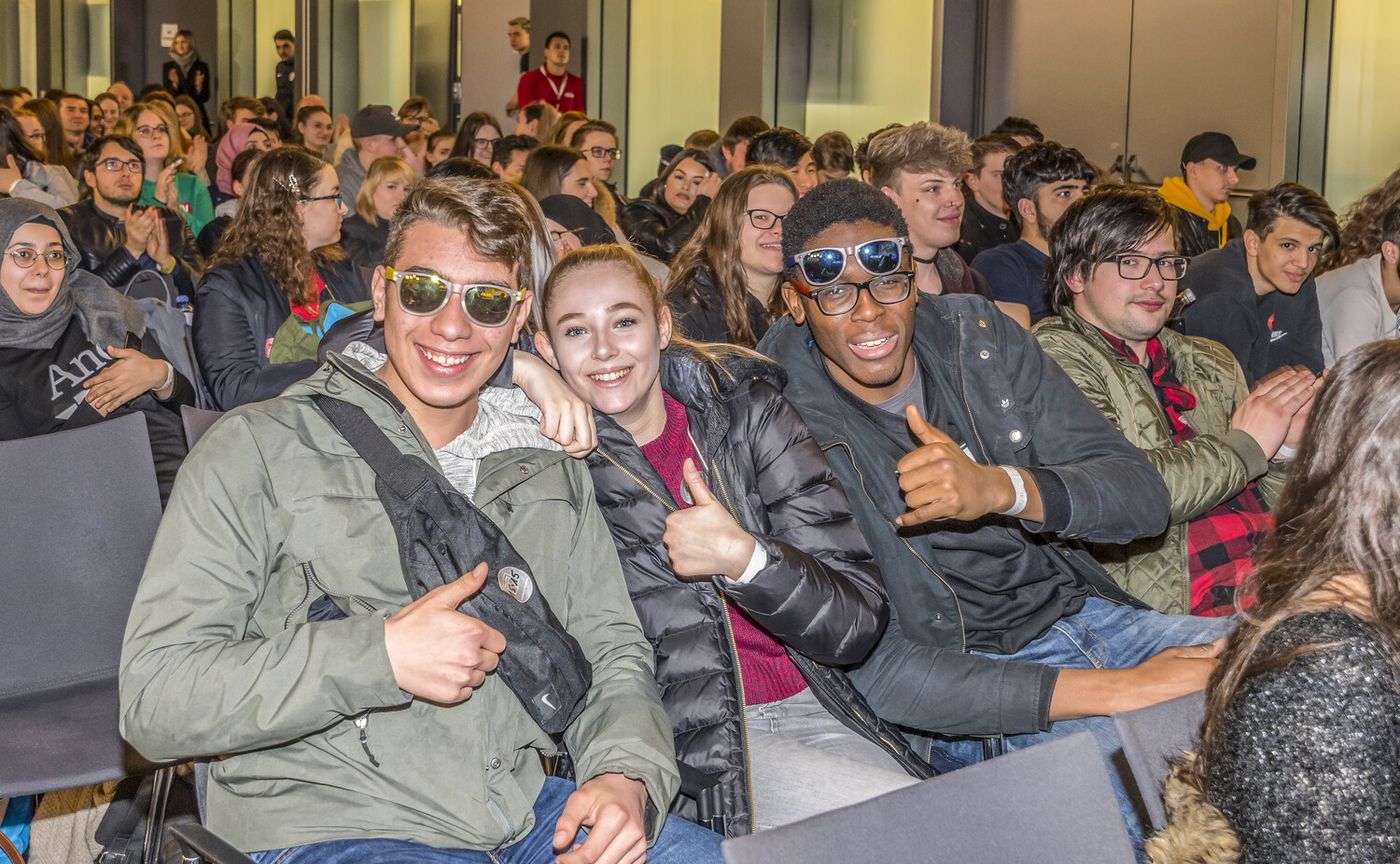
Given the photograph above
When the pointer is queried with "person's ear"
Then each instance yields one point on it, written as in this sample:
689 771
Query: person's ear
1077 280
971 181
546 348
1390 252
522 313
665 325
1251 243
90 180
1025 208
238 188
379 289
891 194
793 300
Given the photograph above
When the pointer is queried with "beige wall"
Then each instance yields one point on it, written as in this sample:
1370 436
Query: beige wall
489 68
1363 126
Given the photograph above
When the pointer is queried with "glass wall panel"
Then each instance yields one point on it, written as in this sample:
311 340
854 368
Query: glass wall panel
386 48
1363 127
18 37
87 45
271 16
870 64
673 79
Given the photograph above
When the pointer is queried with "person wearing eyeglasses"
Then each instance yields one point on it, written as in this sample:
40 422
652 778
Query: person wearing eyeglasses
118 238
23 173
376 703
1039 183
724 282
597 140
1222 449
477 136
168 181
278 280
74 352
976 469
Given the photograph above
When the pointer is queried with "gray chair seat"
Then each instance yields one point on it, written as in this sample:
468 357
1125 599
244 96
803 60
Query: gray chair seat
1154 736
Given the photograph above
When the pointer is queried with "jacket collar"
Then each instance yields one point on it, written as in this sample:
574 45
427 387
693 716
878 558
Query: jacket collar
1170 339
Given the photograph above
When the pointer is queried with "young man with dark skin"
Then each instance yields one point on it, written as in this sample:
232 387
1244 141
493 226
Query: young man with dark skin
1040 183
1210 166
920 168
971 461
115 240
553 83
1222 449
376 729
1256 295
986 220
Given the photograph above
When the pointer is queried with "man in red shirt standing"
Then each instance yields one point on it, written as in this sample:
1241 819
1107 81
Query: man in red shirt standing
552 82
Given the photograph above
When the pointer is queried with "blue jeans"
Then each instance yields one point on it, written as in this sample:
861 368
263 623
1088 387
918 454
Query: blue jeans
681 842
1102 635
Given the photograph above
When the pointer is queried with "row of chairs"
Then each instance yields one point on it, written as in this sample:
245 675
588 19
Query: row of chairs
66 592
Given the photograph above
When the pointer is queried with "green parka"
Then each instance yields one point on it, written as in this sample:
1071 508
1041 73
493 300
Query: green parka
1201 473
273 510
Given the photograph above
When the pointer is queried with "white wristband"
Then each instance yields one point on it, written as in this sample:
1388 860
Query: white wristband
1020 486
169 378
1284 453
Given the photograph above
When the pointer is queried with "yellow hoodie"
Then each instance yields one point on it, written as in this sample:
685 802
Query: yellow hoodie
1178 194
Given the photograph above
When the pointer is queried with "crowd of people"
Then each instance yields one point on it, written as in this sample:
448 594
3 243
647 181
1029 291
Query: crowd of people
814 470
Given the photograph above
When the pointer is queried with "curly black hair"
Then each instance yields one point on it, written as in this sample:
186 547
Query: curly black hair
847 200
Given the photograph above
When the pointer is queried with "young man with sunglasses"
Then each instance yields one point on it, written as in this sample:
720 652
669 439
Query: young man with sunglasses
117 241
1182 400
973 466
274 626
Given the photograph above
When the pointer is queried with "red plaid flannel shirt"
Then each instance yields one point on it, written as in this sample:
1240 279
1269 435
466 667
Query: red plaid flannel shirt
1220 544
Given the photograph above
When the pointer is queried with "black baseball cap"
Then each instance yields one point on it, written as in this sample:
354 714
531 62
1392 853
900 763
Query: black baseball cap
378 120
1217 146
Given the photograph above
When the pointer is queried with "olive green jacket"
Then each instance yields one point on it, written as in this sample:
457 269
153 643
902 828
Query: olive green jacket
272 510
1213 467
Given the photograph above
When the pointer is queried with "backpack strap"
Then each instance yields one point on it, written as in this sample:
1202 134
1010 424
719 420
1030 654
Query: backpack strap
405 476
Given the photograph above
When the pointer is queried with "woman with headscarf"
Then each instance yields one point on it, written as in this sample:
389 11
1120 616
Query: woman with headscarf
239 137
73 351
184 74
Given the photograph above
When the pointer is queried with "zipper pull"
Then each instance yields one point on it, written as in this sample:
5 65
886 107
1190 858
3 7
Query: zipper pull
362 723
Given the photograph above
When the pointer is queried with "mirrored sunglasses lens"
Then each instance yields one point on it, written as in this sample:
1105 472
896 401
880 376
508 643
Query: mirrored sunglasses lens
823 266
879 257
420 294
489 306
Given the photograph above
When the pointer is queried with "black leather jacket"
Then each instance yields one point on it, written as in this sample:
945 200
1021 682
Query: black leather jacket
101 241
237 309
820 594
1025 411
656 229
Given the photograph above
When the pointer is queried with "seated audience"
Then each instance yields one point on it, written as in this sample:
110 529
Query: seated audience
417 111
554 170
165 184
1001 624
833 156
564 130
118 238
863 150
213 233
461 166
1360 302
1210 166
1256 296
187 113
788 572
1299 756
439 147
56 149
1363 223
920 168
1024 132
73 113
380 702
661 223
572 224
313 130
73 351
240 109
364 233
477 137
724 282
276 283
376 132
1222 450
987 218
1040 183
111 109
536 120
508 156
277 125
789 150
23 173
239 138
597 141
730 152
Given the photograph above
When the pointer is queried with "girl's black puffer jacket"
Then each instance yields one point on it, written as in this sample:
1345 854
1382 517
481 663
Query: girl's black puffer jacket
820 593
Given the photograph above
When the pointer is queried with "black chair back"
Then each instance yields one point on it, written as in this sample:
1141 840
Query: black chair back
196 422
1050 802
1153 737
77 518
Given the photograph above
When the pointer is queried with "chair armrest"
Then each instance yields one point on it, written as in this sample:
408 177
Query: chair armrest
199 843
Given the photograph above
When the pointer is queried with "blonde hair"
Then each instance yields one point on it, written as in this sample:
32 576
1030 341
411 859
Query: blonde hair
179 142
380 170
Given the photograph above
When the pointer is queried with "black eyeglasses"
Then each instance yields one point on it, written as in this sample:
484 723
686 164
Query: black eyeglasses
337 198
153 131
113 166
824 266
559 234
842 297
428 294
24 258
1134 265
764 219
604 152
484 142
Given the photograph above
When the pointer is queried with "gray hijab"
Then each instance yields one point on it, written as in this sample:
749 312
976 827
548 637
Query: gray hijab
106 315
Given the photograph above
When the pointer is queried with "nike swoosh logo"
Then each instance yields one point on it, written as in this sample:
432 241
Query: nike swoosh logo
545 699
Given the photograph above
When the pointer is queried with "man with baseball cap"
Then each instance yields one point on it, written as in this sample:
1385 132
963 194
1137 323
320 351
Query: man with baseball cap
1210 166
376 132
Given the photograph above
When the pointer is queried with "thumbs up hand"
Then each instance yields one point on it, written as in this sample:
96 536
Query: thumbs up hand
438 653
939 481
704 540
